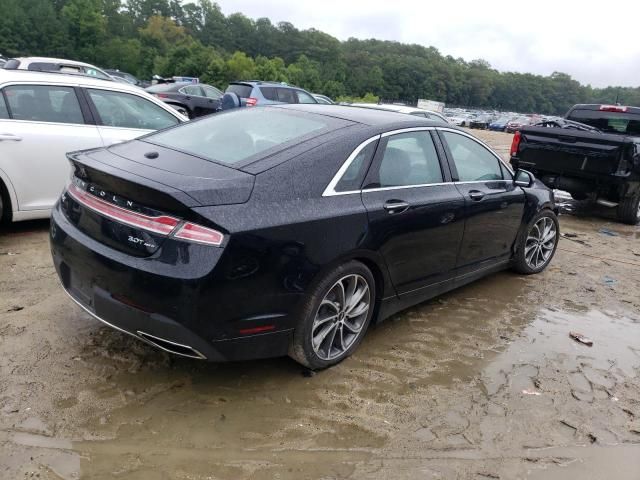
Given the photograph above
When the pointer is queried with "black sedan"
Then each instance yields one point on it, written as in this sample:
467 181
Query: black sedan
191 99
289 229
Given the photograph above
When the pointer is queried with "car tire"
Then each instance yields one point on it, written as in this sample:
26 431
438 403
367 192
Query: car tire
629 210
5 205
330 328
535 248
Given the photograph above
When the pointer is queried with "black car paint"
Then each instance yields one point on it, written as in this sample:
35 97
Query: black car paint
194 105
279 242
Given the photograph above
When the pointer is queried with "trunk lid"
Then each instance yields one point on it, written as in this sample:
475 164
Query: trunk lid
132 197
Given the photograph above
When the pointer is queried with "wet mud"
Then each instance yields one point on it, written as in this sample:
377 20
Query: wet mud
482 383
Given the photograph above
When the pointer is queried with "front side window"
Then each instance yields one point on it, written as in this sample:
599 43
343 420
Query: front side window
473 161
40 103
124 110
353 176
238 134
409 159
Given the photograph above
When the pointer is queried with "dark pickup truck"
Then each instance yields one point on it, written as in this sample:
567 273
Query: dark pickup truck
594 153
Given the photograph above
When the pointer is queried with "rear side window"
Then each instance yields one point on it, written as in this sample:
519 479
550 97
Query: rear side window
353 176
239 134
118 109
287 95
472 160
243 91
270 93
39 103
4 113
211 92
409 159
48 67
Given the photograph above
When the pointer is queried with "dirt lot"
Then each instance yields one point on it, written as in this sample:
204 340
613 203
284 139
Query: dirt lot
481 383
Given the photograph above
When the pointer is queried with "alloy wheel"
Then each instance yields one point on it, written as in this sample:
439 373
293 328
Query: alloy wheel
541 241
341 317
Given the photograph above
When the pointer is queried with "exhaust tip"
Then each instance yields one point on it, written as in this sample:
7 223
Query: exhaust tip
171 347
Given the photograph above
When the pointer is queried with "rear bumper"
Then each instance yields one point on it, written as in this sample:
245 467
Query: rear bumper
122 297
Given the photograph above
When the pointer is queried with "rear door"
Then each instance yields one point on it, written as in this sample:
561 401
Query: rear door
494 205
415 211
124 116
38 126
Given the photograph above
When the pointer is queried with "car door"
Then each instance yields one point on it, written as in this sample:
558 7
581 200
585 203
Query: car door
494 205
415 212
214 98
38 126
122 116
200 105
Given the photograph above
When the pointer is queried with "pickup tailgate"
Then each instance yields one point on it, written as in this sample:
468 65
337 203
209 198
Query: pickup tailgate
565 151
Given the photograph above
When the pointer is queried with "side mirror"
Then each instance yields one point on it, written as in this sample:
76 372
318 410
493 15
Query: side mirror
523 178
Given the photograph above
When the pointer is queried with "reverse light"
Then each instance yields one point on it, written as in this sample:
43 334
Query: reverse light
199 234
251 102
515 143
613 108
162 225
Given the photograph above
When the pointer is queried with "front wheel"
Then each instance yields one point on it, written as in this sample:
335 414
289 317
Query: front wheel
335 317
629 210
537 246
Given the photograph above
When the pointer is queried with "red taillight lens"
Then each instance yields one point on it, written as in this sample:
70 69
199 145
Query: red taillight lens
251 102
613 108
199 234
515 143
161 95
162 225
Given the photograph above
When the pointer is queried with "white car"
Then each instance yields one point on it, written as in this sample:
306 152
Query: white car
418 112
45 115
48 64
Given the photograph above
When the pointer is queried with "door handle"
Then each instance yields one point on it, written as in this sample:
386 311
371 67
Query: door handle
476 195
10 136
395 206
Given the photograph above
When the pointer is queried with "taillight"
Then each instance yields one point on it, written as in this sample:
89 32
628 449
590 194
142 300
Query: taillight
199 234
161 95
251 102
612 108
515 143
162 224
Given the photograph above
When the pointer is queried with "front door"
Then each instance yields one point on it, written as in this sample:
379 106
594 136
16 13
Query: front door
494 205
415 214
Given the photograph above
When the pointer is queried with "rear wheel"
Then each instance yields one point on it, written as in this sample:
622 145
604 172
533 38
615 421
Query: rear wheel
5 206
538 244
335 317
629 210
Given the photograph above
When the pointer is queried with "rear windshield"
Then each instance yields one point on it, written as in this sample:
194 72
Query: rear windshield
243 91
609 122
239 134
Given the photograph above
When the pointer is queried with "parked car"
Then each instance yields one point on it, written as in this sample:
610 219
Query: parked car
289 229
481 122
323 99
2 61
416 112
191 99
500 124
47 64
45 115
126 76
517 123
256 92
593 153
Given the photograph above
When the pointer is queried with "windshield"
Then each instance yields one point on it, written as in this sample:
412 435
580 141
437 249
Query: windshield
608 122
239 134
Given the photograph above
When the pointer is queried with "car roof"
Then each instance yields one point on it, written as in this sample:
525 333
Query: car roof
365 116
29 60
255 83
59 78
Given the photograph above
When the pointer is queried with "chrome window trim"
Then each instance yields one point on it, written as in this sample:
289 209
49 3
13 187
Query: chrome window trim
329 191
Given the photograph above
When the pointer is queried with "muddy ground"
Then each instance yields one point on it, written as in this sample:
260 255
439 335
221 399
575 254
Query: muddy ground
482 383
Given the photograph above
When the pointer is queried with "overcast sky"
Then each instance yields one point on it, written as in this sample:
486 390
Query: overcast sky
594 42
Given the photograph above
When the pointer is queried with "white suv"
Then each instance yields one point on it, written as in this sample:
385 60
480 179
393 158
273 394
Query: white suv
45 115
